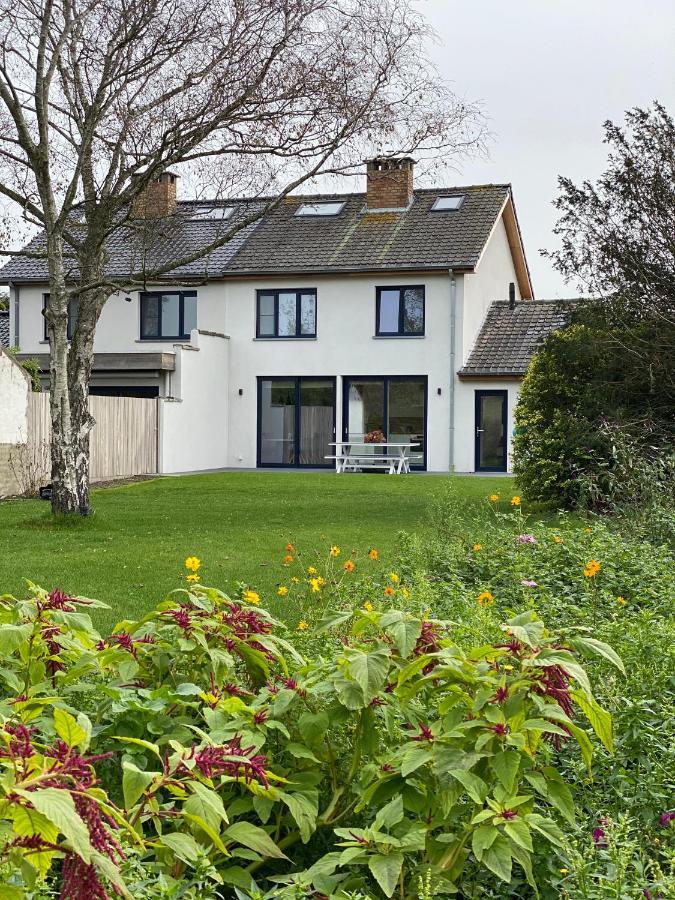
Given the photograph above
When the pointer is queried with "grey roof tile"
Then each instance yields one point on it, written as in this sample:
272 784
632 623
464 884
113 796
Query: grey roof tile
356 239
4 328
509 337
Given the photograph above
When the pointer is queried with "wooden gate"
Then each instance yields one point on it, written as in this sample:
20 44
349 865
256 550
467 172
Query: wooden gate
123 440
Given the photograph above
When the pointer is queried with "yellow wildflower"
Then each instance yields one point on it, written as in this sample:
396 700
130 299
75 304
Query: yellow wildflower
288 559
193 578
426 613
621 601
302 625
252 597
508 668
192 563
557 539
592 568
349 566
311 570
587 530
282 590
389 591
314 583
394 577
515 501
404 593
477 548
372 554
295 580
486 599
563 871
335 551
322 581
368 606
494 498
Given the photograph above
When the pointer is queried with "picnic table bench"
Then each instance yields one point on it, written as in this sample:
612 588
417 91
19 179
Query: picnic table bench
350 456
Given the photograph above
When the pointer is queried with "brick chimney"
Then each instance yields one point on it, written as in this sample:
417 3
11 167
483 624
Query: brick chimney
158 200
389 182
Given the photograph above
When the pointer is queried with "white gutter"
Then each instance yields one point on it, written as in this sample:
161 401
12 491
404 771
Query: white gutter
453 329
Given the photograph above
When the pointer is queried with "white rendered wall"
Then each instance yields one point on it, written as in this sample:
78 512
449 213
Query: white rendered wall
345 346
465 410
14 388
194 423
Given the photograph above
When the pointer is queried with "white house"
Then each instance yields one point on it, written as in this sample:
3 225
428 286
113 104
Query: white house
406 310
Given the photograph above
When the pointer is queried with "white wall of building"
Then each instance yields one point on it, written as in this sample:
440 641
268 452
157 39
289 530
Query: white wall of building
465 411
193 423
14 389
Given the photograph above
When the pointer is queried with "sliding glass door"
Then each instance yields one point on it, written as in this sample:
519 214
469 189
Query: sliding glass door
394 405
296 421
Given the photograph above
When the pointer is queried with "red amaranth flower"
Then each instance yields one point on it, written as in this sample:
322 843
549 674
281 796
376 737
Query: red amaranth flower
386 767
554 683
231 759
500 695
377 701
261 716
181 617
357 838
80 880
500 729
513 646
245 623
425 734
508 814
19 746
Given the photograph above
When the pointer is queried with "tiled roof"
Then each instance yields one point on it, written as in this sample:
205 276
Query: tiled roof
4 328
509 337
357 239
353 240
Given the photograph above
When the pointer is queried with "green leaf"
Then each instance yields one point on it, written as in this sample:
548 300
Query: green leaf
389 815
598 648
147 745
134 782
331 620
497 858
519 833
405 634
300 752
369 670
584 744
561 797
12 636
183 846
579 674
522 857
414 758
505 765
545 826
313 726
386 871
28 822
474 786
304 812
11 893
600 719
57 805
254 838
482 838
205 803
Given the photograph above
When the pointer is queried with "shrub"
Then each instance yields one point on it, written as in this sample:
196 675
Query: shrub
199 747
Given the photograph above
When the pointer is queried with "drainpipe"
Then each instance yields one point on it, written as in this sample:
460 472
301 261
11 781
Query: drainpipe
453 328
14 290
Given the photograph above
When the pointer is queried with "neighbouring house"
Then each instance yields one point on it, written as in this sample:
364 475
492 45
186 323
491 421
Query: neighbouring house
4 328
401 309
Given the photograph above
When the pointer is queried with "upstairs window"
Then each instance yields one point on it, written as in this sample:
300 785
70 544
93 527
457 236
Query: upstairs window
286 314
167 315
447 204
320 209
72 317
212 212
399 311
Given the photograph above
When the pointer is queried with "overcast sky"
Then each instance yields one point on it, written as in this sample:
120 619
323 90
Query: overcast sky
549 74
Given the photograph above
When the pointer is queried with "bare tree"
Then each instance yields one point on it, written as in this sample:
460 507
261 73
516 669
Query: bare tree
99 97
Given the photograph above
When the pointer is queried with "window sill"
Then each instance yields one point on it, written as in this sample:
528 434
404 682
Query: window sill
398 337
163 340
308 338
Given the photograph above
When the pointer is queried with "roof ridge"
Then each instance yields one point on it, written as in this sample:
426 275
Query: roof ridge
342 194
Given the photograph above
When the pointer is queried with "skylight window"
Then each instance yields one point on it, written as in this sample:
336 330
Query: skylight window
212 212
447 204
320 209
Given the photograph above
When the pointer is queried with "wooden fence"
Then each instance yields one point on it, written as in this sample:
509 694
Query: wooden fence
123 440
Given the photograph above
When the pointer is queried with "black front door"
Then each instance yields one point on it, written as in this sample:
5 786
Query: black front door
296 421
491 428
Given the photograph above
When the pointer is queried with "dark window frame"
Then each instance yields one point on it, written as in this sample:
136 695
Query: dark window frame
479 393
298 379
182 336
298 313
72 317
401 288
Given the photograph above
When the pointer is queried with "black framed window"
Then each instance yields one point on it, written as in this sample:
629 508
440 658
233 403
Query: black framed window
168 314
286 313
399 310
72 317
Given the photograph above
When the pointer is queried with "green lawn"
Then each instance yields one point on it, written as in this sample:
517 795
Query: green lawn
131 552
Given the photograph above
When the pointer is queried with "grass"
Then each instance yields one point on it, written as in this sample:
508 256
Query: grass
130 553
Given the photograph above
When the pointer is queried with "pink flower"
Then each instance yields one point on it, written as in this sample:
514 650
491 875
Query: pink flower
599 838
526 539
666 818
526 582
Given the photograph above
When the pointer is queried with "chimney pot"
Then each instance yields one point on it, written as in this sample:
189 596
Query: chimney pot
389 182
512 295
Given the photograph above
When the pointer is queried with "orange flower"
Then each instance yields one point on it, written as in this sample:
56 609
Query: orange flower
592 568
372 554
557 539
389 591
477 548
621 601
349 566
485 599
515 501
290 548
288 559
302 625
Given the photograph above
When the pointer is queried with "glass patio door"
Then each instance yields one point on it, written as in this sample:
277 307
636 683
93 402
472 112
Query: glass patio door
491 425
296 421
396 406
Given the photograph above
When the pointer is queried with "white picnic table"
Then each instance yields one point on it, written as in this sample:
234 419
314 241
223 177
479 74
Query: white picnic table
349 456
